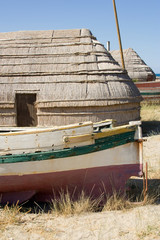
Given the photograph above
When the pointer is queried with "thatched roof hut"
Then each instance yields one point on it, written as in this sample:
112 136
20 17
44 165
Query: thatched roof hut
135 66
61 77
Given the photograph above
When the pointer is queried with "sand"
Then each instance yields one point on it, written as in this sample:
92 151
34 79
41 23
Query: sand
151 155
139 223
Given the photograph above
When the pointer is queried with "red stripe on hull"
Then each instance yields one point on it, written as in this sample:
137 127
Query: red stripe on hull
151 97
44 187
148 84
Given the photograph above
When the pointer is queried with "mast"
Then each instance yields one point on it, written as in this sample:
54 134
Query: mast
119 37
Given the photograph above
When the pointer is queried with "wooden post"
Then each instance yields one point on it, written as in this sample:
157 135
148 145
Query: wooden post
108 45
118 32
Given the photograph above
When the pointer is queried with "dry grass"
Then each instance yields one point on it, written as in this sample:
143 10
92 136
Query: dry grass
150 112
117 202
150 231
150 117
10 215
139 223
66 205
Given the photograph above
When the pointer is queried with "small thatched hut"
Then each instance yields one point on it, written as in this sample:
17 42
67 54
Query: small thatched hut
135 66
60 77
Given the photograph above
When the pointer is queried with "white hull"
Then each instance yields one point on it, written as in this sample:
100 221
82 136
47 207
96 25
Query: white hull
121 155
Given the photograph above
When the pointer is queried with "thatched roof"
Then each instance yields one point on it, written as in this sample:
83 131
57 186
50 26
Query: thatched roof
67 68
135 66
64 56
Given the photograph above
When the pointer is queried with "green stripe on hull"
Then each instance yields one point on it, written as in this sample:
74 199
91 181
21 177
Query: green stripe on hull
150 93
100 144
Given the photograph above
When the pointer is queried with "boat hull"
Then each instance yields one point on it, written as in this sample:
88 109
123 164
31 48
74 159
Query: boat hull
45 187
95 158
149 90
94 173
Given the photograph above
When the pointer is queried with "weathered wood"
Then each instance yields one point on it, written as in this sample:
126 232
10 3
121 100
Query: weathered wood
27 141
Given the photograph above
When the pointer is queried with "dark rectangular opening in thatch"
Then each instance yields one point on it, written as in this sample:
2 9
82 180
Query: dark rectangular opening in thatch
26 111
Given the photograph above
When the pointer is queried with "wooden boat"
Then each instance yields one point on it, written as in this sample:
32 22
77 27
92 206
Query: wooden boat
38 163
149 90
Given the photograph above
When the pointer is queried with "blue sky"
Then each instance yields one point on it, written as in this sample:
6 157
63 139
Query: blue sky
139 21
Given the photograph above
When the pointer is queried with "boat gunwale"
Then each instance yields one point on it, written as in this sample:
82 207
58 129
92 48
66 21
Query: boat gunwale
37 130
47 129
99 145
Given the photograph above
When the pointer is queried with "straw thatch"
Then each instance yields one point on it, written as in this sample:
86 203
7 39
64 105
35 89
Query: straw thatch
72 75
135 66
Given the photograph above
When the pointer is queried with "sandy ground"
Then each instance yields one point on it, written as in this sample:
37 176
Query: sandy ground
151 155
141 222
138 223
